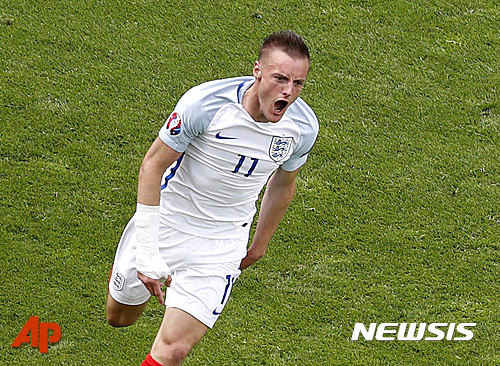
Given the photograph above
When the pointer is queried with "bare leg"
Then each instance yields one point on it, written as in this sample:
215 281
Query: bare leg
178 334
120 315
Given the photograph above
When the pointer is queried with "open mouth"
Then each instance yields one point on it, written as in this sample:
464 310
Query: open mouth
280 105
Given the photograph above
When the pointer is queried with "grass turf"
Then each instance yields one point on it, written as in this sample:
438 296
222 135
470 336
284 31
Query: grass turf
396 217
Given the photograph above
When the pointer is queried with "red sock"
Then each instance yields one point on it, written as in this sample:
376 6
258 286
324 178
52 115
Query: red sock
149 361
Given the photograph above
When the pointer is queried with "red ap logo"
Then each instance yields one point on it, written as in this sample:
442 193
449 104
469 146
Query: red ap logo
39 336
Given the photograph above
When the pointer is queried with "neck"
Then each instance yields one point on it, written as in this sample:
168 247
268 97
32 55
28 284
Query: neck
251 103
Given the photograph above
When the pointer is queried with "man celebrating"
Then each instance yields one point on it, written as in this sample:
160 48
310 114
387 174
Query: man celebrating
198 185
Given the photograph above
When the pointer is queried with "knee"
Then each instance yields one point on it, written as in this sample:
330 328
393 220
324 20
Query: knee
119 318
179 351
120 315
118 321
171 353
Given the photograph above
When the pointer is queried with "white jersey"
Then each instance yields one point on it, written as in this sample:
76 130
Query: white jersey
227 157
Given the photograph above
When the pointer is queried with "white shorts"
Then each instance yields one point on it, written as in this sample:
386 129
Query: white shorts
203 272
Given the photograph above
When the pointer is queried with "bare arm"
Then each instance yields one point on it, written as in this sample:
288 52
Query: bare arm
277 197
159 157
157 160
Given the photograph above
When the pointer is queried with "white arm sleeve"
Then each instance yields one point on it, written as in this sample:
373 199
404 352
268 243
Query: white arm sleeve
148 259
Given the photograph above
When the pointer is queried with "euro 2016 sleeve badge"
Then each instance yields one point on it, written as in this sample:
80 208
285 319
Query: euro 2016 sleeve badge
279 148
174 124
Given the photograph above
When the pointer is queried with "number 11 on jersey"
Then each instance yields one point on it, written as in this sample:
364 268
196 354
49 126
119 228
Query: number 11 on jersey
240 163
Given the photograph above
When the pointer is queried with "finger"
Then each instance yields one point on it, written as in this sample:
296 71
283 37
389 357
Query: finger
159 295
157 292
153 286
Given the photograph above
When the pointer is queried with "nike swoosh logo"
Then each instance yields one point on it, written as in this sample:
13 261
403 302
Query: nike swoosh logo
216 312
218 136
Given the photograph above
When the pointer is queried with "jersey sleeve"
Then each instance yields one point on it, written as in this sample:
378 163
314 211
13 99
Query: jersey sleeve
308 124
188 119
196 108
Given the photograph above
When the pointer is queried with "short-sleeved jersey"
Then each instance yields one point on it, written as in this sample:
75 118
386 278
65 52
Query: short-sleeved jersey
227 157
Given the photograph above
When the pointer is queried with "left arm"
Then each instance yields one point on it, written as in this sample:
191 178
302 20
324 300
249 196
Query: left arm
277 197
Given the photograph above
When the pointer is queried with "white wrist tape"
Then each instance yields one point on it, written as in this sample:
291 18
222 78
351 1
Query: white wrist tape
148 259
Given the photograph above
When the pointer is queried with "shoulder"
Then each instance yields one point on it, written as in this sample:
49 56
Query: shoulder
307 123
305 119
212 95
196 108
200 103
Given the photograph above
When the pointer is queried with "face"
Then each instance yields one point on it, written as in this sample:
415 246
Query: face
280 79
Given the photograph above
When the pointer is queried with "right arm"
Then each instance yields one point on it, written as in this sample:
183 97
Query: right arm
158 158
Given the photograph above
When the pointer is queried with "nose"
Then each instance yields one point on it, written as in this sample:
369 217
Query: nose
287 89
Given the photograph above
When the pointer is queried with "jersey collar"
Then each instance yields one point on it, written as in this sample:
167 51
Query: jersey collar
242 89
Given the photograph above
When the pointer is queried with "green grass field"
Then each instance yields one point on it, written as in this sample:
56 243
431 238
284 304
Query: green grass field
397 213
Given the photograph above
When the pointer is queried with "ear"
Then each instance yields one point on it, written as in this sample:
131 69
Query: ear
257 72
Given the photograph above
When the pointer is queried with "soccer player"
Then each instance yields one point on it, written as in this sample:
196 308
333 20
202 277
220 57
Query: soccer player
197 189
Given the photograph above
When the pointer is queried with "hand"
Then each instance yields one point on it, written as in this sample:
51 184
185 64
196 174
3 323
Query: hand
245 263
154 286
250 259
